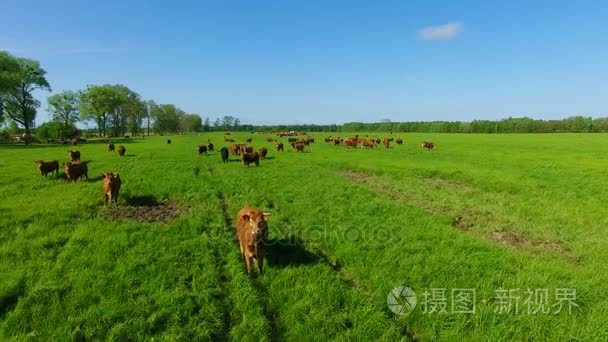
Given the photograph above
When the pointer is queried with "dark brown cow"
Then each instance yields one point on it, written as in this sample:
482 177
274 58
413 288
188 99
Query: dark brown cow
121 150
75 170
427 145
280 147
201 149
48 167
263 152
209 146
252 233
249 140
111 187
337 141
386 143
224 154
399 141
74 155
110 147
249 149
249 158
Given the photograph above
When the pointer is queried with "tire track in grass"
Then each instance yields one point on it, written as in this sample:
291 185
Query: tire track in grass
260 290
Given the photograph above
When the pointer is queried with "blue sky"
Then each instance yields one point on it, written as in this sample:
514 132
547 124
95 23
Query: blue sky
326 61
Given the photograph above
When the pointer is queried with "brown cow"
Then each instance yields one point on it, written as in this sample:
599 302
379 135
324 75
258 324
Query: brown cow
280 147
428 145
48 167
351 142
252 233
74 155
399 141
238 148
111 187
209 146
263 152
110 147
121 150
201 149
249 140
248 149
249 158
75 170
386 143
298 146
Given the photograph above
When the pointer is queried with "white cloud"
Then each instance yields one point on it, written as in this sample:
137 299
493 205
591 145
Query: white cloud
442 32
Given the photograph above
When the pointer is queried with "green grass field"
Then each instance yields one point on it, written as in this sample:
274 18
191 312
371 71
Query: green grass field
481 212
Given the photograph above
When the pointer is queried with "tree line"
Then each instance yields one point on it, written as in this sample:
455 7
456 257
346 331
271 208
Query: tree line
116 110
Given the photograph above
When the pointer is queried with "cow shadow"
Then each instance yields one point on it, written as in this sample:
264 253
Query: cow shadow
268 158
96 178
141 201
289 251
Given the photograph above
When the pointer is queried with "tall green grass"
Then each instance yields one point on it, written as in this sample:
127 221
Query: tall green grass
347 226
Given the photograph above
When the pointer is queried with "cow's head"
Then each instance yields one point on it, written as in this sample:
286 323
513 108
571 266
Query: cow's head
39 162
258 221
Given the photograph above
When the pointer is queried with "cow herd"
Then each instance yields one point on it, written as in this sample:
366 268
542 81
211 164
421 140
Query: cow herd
251 223
370 142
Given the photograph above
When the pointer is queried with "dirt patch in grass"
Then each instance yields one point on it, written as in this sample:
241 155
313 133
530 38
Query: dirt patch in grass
523 240
146 210
465 221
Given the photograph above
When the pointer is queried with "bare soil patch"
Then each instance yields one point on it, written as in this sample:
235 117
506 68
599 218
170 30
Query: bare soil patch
466 221
146 210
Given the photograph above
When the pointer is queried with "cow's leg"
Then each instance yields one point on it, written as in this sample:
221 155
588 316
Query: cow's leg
248 264
260 262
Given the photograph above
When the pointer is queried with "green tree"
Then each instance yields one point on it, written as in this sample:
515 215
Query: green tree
96 103
65 107
20 77
166 118
190 123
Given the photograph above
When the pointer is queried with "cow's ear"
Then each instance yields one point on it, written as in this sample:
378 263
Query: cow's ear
246 217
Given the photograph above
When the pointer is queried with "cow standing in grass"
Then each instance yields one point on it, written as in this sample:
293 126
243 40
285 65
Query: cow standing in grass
121 150
399 141
201 149
280 147
224 154
252 233
250 158
263 152
209 146
428 145
110 147
74 155
111 187
48 167
75 170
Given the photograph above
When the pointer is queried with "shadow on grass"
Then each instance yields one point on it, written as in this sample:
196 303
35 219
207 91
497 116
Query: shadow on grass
96 178
141 201
290 251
